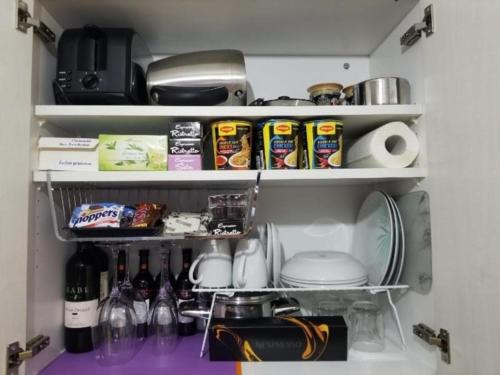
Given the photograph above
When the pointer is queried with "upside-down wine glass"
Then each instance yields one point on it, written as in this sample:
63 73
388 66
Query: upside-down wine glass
162 326
117 323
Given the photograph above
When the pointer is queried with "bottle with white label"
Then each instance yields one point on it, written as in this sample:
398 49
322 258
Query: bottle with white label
102 263
81 301
103 269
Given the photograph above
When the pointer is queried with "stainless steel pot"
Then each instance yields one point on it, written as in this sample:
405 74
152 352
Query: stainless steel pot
285 101
243 306
380 91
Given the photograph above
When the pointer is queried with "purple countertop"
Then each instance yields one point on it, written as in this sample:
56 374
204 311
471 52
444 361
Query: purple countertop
183 361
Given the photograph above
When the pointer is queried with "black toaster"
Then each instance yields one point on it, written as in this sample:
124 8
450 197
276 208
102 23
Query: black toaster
101 66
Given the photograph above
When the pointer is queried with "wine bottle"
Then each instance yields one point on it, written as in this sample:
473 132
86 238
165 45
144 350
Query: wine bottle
121 267
103 267
186 326
81 301
143 282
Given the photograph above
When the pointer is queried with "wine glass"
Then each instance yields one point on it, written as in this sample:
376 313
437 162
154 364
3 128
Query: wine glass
136 299
162 320
117 323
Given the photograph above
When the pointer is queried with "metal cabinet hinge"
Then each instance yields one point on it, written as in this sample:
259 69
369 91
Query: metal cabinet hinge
24 21
414 33
442 341
17 355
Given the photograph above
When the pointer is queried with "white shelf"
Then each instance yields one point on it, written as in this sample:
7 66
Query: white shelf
93 120
259 27
288 178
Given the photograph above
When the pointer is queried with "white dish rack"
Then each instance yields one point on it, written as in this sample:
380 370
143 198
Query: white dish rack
387 290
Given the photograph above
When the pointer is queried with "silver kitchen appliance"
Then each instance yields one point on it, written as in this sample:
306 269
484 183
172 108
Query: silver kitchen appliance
216 77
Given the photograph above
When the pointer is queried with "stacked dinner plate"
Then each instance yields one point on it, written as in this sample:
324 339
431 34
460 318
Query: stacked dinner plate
323 269
379 242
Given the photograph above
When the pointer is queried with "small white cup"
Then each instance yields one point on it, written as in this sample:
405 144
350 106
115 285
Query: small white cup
214 266
249 266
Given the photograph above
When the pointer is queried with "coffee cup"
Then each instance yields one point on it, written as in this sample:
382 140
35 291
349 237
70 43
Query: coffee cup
213 266
249 266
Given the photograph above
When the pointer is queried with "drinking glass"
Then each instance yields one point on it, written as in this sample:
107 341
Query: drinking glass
162 327
117 323
366 327
136 299
333 306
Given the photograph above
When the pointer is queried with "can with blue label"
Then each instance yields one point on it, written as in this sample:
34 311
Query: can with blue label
324 142
278 144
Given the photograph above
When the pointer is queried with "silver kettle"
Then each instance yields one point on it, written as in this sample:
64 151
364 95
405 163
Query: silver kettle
216 77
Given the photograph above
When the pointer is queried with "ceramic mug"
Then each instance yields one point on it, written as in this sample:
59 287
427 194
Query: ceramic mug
214 266
249 266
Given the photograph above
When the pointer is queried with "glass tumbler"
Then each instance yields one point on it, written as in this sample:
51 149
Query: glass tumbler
366 327
335 306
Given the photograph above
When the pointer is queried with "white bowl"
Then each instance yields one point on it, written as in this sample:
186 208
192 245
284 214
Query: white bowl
323 266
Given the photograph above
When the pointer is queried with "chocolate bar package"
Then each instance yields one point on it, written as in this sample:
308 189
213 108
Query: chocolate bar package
284 338
191 129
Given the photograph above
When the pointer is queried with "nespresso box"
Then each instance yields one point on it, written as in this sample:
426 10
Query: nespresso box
279 339
184 146
191 129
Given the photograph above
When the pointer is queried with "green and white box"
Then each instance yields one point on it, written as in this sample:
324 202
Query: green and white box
132 152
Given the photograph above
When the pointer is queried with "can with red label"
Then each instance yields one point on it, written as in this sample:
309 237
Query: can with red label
232 143
324 142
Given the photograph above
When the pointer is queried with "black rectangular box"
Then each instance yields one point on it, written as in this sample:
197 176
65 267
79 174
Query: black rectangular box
185 146
285 338
226 227
191 129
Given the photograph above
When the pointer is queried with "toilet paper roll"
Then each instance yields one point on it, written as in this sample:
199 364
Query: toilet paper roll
393 145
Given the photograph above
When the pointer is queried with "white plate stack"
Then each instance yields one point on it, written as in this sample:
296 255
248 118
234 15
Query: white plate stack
379 242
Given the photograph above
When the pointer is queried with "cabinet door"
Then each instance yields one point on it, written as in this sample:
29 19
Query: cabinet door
462 64
15 122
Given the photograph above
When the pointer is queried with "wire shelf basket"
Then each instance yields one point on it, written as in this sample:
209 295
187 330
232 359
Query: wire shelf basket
64 197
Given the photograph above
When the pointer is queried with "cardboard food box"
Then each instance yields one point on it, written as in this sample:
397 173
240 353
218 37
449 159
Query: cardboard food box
132 152
285 338
67 154
184 154
192 129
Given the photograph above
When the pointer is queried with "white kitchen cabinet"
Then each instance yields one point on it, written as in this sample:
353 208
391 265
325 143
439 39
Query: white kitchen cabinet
290 44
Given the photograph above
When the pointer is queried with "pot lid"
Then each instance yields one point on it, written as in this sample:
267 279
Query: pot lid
282 101
330 87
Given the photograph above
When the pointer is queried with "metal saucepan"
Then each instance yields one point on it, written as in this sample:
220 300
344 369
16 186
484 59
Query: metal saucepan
379 91
243 306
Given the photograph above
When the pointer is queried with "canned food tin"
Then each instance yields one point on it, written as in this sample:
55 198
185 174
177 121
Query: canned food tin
324 142
278 144
232 142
